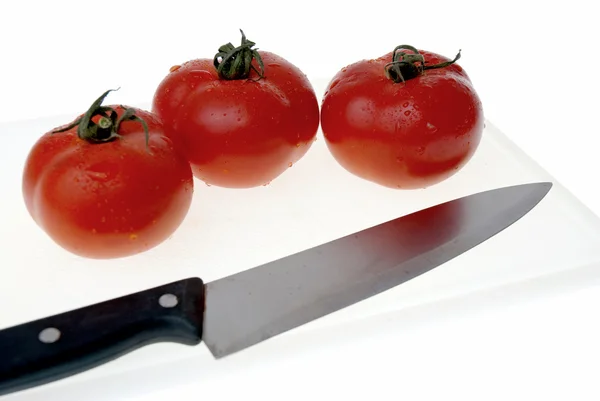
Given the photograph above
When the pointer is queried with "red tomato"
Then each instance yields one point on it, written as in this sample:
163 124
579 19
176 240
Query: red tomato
104 187
409 119
242 118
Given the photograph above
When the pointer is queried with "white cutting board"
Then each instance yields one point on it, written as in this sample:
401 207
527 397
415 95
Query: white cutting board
232 230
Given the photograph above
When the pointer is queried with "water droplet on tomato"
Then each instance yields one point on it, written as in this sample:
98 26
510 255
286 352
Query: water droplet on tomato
94 231
98 175
133 237
224 114
420 150
405 104
399 159
264 185
103 219
290 164
174 68
407 113
344 69
273 65
298 145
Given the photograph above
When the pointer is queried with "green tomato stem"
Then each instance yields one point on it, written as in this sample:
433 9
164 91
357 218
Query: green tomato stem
236 62
107 128
405 66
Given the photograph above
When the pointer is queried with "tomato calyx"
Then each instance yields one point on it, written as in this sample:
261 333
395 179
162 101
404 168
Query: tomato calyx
236 62
405 66
107 127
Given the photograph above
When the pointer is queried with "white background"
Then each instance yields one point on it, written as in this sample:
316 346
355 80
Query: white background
534 65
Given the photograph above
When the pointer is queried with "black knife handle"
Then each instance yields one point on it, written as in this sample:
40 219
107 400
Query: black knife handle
99 333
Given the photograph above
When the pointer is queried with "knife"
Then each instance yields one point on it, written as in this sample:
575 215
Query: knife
238 311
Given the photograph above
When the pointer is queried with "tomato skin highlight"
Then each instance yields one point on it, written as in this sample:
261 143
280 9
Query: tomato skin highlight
405 135
239 133
112 199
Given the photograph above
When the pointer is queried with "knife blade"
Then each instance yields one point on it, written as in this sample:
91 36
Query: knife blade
243 309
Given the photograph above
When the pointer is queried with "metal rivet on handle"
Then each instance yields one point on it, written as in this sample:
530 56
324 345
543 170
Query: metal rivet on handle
49 335
168 301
